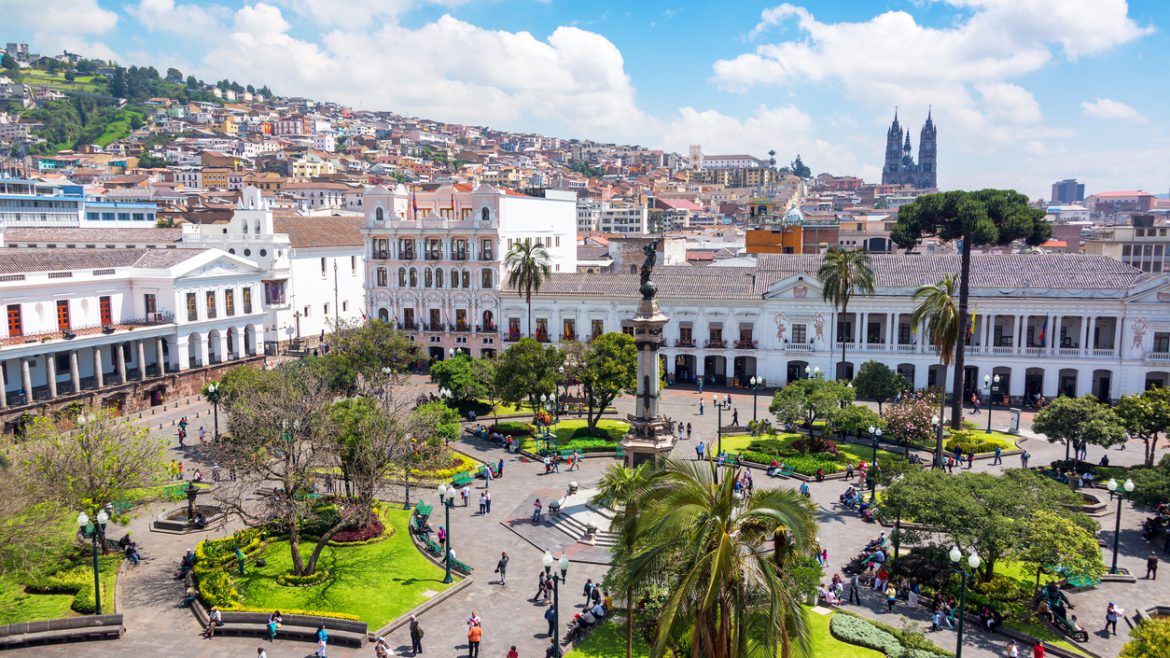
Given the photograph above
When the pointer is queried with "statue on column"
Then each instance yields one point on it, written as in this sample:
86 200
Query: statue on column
648 288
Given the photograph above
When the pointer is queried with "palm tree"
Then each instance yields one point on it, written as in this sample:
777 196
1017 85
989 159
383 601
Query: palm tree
528 269
711 546
618 490
844 273
943 322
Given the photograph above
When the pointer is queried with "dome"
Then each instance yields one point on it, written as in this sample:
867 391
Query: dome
793 216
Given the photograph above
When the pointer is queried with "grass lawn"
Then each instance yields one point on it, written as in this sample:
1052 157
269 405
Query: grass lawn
824 644
1050 637
849 451
57 81
616 429
377 582
17 604
116 129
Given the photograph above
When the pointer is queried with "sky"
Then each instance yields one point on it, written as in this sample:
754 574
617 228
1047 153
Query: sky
1023 92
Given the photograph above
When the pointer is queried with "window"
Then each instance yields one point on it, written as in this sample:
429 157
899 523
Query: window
513 328
322 267
461 319
151 304
844 331
210 303
15 326
63 315
229 302
569 329
381 278
247 300
408 318
800 333
486 280
326 309
558 240
1161 342
428 278
488 321
486 250
381 248
192 308
466 279
353 264
402 277
542 329
345 307
435 321
379 215
454 278
439 278
413 278
107 311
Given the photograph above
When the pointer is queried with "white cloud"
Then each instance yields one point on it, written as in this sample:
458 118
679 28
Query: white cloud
1107 108
191 20
56 25
1008 103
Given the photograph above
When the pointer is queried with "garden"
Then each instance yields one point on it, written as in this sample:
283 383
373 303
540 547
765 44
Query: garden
351 581
571 435
796 451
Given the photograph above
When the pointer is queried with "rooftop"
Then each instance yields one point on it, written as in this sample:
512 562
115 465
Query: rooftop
307 232
22 261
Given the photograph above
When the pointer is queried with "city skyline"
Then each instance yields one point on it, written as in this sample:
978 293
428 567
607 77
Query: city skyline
1053 89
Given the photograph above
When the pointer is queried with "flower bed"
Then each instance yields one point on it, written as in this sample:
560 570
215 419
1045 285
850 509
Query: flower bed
459 464
372 529
894 643
977 441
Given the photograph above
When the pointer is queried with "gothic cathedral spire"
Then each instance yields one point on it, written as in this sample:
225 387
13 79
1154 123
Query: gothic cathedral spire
900 167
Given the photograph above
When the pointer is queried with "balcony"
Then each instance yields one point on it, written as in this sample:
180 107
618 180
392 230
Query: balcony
1035 351
798 347
486 256
459 255
565 337
1158 357
381 255
716 343
684 342
1068 351
407 255
1003 349
512 336
409 326
462 327
1107 352
434 255
487 328
542 337
746 344
152 319
906 347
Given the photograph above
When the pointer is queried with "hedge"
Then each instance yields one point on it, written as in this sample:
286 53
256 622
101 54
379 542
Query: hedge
914 643
76 579
511 428
373 529
590 445
969 442
290 580
460 463
806 464
864 634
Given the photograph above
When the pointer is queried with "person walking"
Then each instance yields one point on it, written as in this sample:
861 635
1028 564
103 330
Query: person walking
536 510
502 568
1152 566
466 493
1038 649
688 431
261 653
1112 613
891 597
854 595
1013 650
550 615
482 505
487 501
699 450
474 635
588 590
700 406
1024 457
998 456
735 417
416 636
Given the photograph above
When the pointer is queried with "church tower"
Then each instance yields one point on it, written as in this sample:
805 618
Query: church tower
928 155
891 171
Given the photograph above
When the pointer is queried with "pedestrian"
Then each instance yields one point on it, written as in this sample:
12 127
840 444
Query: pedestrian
261 653
550 615
1112 612
998 456
700 392
729 399
935 621
202 434
1024 457
891 597
699 449
735 417
416 636
1013 650
1152 566
536 509
539 587
512 652
848 471
502 568
970 459
322 643
474 635
700 406
482 504
240 560
487 501
854 596
688 431
487 478
466 493
588 590
577 459
1038 649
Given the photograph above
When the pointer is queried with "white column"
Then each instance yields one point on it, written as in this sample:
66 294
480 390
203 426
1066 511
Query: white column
891 334
74 372
98 375
1017 339
182 354
159 358
222 347
202 351
26 380
863 325
1117 335
3 388
120 355
141 359
51 369
1090 330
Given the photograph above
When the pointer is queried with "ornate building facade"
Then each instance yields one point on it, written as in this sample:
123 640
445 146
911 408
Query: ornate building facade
900 167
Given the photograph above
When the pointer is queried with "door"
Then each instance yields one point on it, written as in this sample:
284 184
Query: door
63 315
107 311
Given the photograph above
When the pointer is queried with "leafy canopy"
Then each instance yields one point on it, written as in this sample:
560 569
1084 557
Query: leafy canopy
1146 417
609 367
1079 422
526 370
805 401
876 381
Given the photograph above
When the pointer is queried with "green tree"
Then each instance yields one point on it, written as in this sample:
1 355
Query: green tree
1052 540
1150 639
354 423
485 371
608 368
909 422
1078 422
876 381
844 274
528 268
443 419
1146 417
936 305
9 63
805 401
726 596
104 457
983 217
174 76
373 345
618 491
526 370
799 168
460 376
856 419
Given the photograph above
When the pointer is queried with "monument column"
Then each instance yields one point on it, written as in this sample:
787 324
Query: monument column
649 437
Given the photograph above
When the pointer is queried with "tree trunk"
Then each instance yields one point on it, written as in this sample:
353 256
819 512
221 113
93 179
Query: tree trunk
294 544
961 344
528 299
1151 446
938 435
841 366
629 625
988 569
1067 446
323 541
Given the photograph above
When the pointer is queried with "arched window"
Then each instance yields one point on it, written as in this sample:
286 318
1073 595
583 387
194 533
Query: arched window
466 279
382 278
413 278
486 280
486 214
402 277
488 321
428 278
454 278
380 215
439 278
383 314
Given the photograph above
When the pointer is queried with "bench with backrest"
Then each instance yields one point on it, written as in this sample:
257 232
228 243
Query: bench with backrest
432 546
68 629
461 567
462 479
293 627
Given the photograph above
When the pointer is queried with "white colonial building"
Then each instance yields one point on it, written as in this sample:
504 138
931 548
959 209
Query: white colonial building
1044 324
118 324
435 257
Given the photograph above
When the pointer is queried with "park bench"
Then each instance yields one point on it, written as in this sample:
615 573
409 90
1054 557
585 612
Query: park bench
432 546
417 527
461 567
462 479
346 632
423 510
785 472
88 627
483 471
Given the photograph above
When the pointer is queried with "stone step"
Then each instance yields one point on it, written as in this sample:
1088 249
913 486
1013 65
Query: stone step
577 528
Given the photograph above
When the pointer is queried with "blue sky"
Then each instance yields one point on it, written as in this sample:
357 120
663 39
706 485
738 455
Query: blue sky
1024 92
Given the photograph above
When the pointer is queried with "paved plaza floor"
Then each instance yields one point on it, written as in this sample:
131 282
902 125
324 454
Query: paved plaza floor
157 626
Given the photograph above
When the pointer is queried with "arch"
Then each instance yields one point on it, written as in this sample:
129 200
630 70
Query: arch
715 370
233 344
1157 379
1103 384
487 279
795 370
907 371
428 278
844 370
935 377
195 350
743 369
466 279
213 352
438 277
454 277
379 214
489 321
1033 384
384 314
485 214
382 278
249 340
1067 382
487 353
684 368
413 278
1001 390
402 277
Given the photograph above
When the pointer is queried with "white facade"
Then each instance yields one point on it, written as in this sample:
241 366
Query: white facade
612 218
1046 325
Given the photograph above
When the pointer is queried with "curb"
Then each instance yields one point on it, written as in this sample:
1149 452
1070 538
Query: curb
372 636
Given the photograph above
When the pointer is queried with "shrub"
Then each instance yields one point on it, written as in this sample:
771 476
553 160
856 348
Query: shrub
459 464
864 634
587 432
216 588
808 464
590 445
969 441
291 580
76 579
372 529
513 428
815 445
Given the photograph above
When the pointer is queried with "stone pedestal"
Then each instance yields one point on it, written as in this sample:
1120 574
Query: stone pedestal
649 437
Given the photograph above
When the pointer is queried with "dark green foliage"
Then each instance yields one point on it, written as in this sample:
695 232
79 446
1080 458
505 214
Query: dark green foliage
876 381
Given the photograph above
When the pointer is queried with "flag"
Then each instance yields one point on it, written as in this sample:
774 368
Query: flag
414 203
971 327
1043 332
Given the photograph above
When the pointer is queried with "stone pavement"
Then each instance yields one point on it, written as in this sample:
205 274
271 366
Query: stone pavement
157 627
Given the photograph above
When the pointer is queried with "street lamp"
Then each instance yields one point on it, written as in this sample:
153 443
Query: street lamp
938 439
720 405
563 565
875 434
973 561
755 382
1120 492
447 500
92 532
409 465
213 398
988 380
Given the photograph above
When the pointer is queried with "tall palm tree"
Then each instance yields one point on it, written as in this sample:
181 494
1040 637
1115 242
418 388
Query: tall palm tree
727 598
528 269
844 273
938 308
618 490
